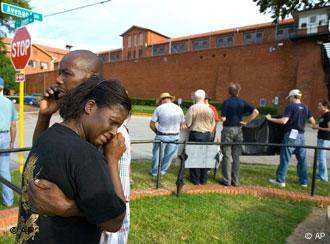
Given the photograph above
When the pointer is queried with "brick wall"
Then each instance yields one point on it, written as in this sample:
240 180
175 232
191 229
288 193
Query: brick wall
263 70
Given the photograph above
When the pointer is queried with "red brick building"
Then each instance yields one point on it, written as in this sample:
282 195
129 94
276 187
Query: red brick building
266 59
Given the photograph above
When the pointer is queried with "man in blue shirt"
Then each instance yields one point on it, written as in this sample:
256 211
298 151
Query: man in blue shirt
294 119
232 112
8 117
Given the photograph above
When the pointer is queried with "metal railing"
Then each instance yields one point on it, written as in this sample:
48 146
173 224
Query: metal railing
161 147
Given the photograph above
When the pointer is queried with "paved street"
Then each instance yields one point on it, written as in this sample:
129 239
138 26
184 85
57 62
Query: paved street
139 130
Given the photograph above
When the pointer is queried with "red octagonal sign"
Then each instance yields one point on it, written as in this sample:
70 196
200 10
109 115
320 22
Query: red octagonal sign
21 48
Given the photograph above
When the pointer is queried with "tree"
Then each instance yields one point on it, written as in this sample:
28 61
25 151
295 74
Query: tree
282 8
6 20
7 72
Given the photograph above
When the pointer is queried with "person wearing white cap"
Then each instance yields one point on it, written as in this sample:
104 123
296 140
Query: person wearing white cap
166 122
294 119
8 117
200 120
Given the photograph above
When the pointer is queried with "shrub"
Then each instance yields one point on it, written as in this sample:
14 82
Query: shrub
268 110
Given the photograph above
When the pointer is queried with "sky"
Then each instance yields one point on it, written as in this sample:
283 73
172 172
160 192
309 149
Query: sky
99 27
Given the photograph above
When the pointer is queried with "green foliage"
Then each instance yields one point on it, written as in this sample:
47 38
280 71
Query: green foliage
143 101
7 72
6 20
268 110
282 8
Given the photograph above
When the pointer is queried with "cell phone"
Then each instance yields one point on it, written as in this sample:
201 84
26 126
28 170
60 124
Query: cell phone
56 93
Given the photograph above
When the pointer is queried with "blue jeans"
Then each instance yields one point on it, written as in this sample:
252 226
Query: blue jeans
7 193
285 156
169 150
322 158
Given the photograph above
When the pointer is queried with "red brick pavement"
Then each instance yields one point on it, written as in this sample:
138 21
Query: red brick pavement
8 217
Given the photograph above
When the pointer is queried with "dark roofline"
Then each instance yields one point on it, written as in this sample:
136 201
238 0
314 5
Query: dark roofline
295 13
145 29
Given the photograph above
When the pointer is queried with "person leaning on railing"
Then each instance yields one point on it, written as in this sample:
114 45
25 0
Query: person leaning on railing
294 119
323 138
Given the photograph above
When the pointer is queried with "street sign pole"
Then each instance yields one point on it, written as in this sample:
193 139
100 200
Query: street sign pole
21 123
20 54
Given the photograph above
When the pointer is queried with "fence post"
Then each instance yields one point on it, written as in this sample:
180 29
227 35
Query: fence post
159 164
314 172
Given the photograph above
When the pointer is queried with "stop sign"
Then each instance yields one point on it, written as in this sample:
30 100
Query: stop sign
21 48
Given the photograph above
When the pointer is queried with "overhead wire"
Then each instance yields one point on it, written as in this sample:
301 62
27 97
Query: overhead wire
73 9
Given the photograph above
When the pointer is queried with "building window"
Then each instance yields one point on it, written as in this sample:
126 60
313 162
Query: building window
322 19
141 39
115 56
158 50
253 37
312 20
32 64
129 41
43 65
178 47
303 22
56 66
225 41
135 40
284 32
200 44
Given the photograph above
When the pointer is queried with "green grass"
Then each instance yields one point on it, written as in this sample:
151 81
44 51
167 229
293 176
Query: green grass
148 109
143 109
15 179
214 218
251 175
211 217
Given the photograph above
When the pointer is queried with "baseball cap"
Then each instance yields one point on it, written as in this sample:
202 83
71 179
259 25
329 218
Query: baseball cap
294 92
2 82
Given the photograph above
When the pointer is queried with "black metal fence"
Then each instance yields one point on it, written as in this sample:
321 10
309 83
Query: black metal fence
161 146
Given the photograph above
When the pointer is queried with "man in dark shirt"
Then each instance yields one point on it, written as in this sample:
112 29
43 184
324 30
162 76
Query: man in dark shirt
323 138
232 112
67 155
294 119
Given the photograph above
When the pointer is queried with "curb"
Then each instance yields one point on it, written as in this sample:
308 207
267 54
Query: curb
8 217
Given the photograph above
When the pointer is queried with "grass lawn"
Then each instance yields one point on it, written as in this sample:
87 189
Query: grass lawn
251 175
214 218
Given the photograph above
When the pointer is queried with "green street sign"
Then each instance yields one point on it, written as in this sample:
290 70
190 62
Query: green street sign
19 12
24 21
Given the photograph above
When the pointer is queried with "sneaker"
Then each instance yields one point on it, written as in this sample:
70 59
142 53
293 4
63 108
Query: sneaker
275 182
304 185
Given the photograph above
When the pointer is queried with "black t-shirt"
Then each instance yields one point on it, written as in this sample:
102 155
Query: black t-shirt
297 113
233 109
324 120
80 171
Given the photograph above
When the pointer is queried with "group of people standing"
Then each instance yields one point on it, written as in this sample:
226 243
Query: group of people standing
201 119
76 181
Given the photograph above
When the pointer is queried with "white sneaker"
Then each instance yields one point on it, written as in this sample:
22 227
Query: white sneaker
304 185
275 182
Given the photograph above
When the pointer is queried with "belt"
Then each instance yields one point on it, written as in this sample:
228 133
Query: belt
4 131
166 134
